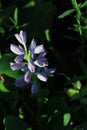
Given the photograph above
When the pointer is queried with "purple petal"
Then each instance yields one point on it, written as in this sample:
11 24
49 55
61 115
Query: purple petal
16 66
19 58
51 70
34 88
27 76
41 55
42 77
39 49
31 67
16 49
41 62
20 82
21 37
32 45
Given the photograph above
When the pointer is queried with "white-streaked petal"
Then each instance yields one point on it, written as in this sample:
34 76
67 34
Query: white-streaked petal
31 67
19 58
32 45
34 88
43 54
16 66
27 76
41 62
21 37
42 77
51 70
16 49
39 49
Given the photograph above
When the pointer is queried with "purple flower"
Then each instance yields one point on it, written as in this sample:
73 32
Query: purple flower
31 61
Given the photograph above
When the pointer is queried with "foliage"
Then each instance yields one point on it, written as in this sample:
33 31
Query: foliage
61 102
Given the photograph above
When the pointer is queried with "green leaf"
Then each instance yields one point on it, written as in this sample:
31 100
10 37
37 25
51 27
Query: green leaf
83 4
66 13
16 16
78 85
3 87
14 123
28 129
2 30
71 92
30 4
66 118
47 34
5 66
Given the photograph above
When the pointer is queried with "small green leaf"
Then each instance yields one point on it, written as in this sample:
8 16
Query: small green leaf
16 16
47 35
66 118
66 13
28 129
3 87
30 4
2 30
78 85
71 92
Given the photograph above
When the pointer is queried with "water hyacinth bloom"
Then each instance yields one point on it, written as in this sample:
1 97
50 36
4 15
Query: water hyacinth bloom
31 61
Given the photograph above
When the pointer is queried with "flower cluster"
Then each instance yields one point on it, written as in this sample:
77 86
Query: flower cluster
30 60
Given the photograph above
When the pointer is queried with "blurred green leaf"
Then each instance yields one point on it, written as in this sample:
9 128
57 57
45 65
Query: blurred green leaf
5 66
78 85
16 16
66 13
30 4
71 92
83 4
66 118
3 87
28 129
2 30
47 34
14 123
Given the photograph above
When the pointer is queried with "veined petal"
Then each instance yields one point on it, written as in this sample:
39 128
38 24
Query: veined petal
16 49
41 62
39 49
31 66
32 45
41 55
21 37
16 66
34 88
19 58
51 70
27 76
20 82
42 77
